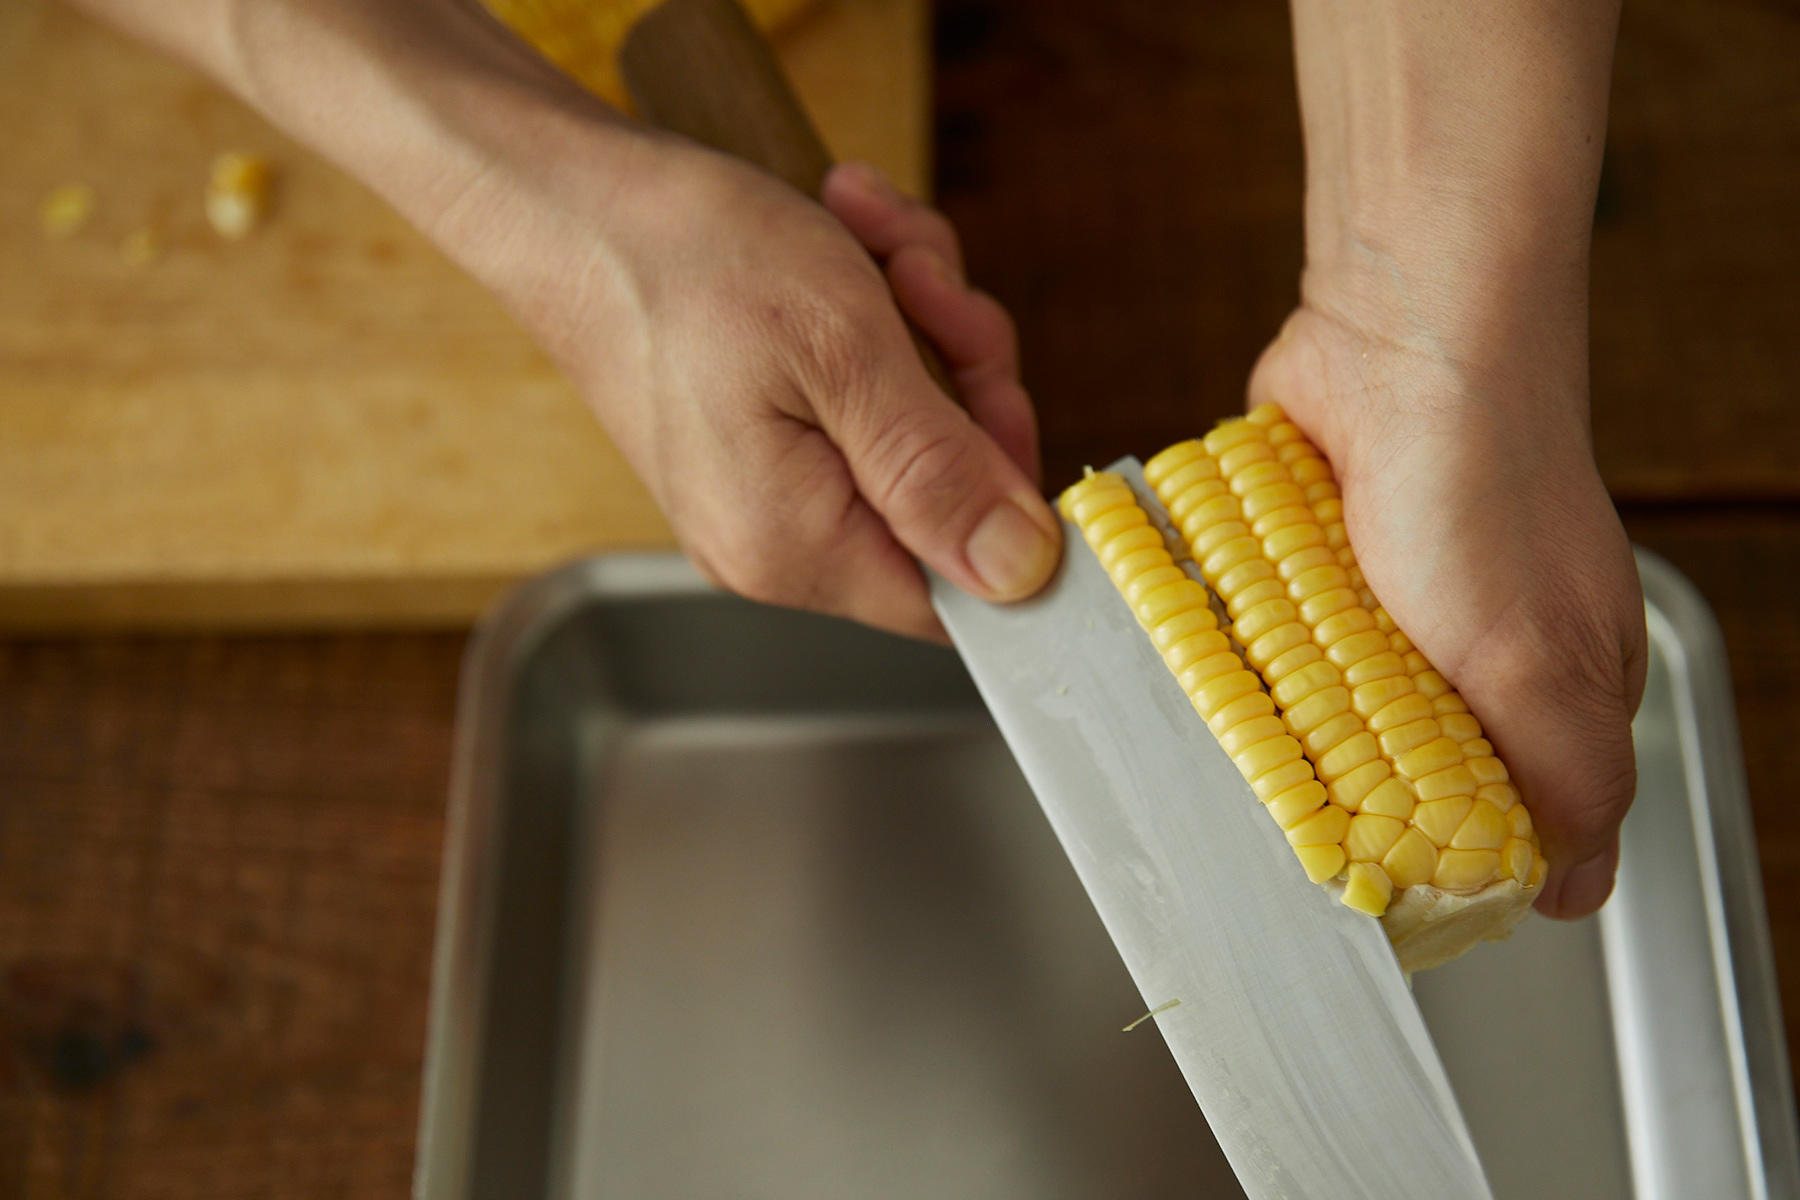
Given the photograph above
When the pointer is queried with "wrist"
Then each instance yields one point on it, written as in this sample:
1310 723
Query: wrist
1452 159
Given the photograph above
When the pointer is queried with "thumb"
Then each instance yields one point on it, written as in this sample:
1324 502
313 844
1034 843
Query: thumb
946 489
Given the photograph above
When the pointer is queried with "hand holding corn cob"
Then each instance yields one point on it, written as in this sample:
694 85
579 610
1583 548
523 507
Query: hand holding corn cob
1480 523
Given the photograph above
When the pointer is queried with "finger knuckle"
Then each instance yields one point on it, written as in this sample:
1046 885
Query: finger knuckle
925 467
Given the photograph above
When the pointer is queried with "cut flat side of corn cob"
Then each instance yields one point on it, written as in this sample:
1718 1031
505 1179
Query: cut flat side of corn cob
583 36
1362 752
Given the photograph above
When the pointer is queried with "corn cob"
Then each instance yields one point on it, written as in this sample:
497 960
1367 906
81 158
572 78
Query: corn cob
583 36
1361 751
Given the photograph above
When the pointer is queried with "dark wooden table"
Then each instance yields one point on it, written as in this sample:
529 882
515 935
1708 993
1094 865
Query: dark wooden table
219 857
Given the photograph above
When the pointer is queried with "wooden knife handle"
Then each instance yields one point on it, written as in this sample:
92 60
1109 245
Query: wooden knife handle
702 69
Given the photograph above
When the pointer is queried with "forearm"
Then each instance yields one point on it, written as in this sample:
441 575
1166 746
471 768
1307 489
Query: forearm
1453 153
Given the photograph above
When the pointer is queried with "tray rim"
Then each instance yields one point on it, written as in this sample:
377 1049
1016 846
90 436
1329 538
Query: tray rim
508 634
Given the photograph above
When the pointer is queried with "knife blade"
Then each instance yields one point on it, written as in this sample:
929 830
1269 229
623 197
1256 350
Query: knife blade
1296 1030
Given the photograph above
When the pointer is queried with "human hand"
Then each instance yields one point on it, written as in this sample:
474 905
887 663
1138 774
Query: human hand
1481 524
749 358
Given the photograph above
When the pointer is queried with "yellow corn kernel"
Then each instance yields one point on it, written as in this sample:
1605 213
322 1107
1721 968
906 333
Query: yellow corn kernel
1275 782
1317 582
1379 666
1205 534
1239 459
1485 828
1305 682
1214 693
1296 803
1245 708
1367 888
1245 734
1251 589
1199 473
1431 683
1248 478
1137 561
1478 748
1465 870
66 209
1411 860
1449 702
1317 708
1398 642
1539 868
237 194
1341 625
1229 434
1502 796
1268 755
1484 767
1289 541
1272 497
1324 828
1348 790
1197 673
1516 858
1400 711
1410 736
1091 502
1150 580
1440 819
1174 610
1346 756
1276 642
1237 550
1114 521
1182 506
1302 561
1176 457
1375 696
1328 733
1197 648
1518 821
1349 651
1370 837
1139 537
1269 615
1458 727
1329 601
1451 781
1183 625
1289 661
1280 518
1390 798
1321 862
1416 664
1434 755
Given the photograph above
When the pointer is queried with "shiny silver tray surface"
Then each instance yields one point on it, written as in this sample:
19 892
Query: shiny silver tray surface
745 903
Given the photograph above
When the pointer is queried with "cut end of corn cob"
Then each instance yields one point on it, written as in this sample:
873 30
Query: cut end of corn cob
1361 751
237 194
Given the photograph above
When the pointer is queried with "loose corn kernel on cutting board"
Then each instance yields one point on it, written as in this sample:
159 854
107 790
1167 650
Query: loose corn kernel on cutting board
326 423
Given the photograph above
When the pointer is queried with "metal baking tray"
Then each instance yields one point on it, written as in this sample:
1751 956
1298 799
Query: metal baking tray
740 902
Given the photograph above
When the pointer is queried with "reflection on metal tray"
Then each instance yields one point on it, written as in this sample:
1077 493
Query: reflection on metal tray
741 902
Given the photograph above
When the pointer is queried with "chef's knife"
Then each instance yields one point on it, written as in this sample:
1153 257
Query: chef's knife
1294 1027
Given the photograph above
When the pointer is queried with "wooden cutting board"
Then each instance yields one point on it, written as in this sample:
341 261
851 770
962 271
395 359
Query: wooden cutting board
327 424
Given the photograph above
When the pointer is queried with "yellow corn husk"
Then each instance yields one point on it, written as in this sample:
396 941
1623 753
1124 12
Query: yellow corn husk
583 36
1362 752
